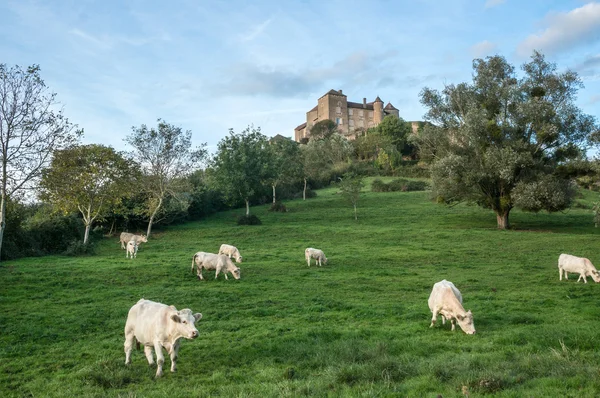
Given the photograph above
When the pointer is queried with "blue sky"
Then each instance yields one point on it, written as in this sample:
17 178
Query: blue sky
208 66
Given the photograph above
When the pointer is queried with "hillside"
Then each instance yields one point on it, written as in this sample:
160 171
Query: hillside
358 326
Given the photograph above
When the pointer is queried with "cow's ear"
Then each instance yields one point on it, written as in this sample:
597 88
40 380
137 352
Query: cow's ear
198 316
175 318
460 317
173 307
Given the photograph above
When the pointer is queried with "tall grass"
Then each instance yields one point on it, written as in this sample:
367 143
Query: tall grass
355 327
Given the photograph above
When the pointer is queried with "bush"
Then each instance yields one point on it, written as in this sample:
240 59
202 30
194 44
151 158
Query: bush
399 184
248 220
309 194
278 206
78 248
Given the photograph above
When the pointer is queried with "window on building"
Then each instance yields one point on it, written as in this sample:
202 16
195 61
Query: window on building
361 113
351 123
338 121
350 111
338 110
371 114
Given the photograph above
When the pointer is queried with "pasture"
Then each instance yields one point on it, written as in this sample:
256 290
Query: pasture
358 326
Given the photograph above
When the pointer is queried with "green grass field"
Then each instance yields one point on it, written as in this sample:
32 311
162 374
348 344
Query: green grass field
358 326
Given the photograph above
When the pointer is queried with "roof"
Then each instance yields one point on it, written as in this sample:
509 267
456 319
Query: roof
360 105
332 92
378 99
302 126
389 106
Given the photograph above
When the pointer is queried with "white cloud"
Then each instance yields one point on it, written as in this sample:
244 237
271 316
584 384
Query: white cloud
482 48
493 3
565 30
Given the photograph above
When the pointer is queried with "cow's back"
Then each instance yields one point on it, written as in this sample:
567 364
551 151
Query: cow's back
443 292
145 319
572 263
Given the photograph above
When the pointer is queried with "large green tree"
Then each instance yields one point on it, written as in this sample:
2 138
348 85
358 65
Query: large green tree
87 178
286 163
31 128
241 166
166 156
323 129
502 140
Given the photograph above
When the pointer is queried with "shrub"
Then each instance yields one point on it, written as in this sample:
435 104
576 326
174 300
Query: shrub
399 184
278 206
379 186
78 248
248 220
416 186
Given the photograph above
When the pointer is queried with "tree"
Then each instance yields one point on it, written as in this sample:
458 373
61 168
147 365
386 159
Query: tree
286 162
323 129
397 130
241 166
350 186
166 157
30 130
501 141
87 178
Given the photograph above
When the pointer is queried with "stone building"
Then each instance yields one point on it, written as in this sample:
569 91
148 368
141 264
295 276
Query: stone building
349 116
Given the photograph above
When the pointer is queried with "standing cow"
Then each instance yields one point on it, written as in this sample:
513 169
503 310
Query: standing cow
231 251
132 248
125 237
218 262
157 325
580 265
317 254
445 299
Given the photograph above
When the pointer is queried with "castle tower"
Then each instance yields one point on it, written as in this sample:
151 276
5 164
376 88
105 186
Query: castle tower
377 110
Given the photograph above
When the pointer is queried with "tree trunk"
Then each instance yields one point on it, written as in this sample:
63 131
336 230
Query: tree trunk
2 220
355 215
160 200
247 207
87 233
304 192
502 219
273 193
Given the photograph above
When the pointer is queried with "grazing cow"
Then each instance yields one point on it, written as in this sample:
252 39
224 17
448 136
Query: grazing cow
445 299
317 254
218 262
580 265
126 237
157 325
132 248
231 251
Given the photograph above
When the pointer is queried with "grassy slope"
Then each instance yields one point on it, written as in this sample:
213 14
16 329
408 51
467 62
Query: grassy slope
358 326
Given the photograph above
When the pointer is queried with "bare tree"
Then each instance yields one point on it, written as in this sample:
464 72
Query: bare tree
166 157
31 129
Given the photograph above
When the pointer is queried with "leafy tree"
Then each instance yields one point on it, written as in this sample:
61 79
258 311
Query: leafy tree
30 130
323 129
501 141
396 129
286 163
166 157
350 186
87 178
241 166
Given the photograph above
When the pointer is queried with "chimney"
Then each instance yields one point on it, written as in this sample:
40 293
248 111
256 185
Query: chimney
365 103
340 90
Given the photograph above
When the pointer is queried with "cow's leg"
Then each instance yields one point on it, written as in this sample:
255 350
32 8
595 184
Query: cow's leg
560 274
160 359
453 325
443 320
433 318
173 354
566 274
149 356
200 273
129 339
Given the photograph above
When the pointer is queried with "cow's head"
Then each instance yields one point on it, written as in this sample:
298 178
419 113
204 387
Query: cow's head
595 276
236 273
143 239
185 323
466 322
238 258
325 259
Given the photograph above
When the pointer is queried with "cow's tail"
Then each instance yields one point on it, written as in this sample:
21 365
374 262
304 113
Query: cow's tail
193 263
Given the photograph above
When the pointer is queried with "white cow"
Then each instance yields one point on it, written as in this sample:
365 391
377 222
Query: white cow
317 254
231 251
157 325
445 299
580 265
132 248
126 237
218 262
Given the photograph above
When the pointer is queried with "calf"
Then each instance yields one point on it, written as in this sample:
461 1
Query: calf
231 251
317 254
218 262
445 299
157 325
580 265
132 248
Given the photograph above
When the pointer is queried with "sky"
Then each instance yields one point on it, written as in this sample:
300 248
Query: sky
208 66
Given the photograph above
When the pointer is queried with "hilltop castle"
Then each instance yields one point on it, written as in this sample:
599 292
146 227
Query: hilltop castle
348 116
